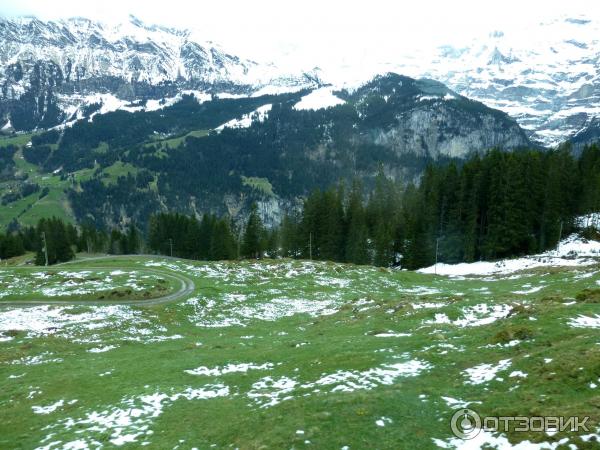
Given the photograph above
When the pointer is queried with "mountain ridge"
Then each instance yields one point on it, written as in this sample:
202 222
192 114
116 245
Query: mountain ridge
53 69
548 79
220 155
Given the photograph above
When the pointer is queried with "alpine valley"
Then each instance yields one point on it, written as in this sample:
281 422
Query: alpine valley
113 123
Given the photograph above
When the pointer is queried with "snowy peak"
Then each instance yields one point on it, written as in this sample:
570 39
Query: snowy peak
49 68
546 77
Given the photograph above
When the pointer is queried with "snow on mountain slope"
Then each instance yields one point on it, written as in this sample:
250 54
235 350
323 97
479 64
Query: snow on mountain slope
318 99
547 77
50 69
132 50
246 120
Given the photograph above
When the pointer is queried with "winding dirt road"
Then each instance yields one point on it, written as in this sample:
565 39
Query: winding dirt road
186 287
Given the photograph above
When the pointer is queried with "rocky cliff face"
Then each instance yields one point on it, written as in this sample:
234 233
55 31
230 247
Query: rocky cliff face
426 119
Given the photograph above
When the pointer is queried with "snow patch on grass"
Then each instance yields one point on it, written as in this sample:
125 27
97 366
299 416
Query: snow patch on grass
106 348
390 333
530 290
486 439
473 316
484 373
127 423
585 322
229 368
572 251
270 391
381 422
353 380
48 409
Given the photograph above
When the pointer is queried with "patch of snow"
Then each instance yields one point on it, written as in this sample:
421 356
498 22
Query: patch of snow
48 409
392 334
589 221
484 373
473 316
319 99
128 423
381 422
585 322
486 439
270 392
350 381
258 115
517 373
106 348
230 368
571 252
529 291
457 403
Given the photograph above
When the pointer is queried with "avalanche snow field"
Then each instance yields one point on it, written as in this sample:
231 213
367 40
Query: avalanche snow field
295 354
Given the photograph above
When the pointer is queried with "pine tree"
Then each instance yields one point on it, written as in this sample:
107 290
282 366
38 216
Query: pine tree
356 241
223 245
252 242
289 237
58 245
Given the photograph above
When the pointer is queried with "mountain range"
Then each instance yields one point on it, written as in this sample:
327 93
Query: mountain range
546 78
110 124
50 71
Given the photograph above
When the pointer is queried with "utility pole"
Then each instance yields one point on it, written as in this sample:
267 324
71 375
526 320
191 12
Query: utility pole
559 235
171 245
310 245
45 246
437 247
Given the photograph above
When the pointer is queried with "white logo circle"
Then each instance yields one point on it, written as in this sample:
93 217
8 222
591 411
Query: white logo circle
465 424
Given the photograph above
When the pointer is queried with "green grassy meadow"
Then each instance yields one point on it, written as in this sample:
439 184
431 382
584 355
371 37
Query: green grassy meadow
299 354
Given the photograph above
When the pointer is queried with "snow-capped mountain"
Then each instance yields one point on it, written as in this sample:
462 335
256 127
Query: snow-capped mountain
51 70
546 77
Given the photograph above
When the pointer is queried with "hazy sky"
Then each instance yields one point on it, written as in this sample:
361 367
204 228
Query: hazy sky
278 27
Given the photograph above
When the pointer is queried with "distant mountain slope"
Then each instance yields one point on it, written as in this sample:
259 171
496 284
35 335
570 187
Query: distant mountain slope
54 72
50 71
590 134
220 154
547 77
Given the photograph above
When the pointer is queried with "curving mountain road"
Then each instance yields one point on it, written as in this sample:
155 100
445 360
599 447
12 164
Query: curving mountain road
186 288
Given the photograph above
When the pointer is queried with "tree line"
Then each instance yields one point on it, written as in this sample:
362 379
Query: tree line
54 241
498 205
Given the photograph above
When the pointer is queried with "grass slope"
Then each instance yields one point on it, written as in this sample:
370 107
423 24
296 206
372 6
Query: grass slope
297 354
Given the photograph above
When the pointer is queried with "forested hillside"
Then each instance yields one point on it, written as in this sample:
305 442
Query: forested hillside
490 207
221 155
